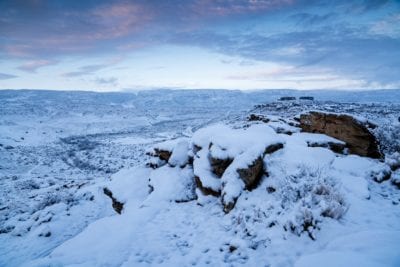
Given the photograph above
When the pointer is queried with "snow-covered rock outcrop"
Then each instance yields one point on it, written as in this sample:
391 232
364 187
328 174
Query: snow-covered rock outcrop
239 194
225 161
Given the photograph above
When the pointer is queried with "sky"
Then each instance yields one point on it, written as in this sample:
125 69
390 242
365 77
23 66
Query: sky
199 44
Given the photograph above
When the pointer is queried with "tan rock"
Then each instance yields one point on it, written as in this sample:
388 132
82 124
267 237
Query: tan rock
162 154
357 136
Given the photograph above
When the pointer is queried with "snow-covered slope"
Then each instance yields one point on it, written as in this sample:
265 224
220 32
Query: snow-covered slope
58 151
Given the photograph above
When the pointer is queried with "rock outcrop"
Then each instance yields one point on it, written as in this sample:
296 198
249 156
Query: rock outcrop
359 139
220 165
117 206
334 146
162 154
252 174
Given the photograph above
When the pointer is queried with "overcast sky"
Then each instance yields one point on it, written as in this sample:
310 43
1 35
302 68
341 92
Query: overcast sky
241 44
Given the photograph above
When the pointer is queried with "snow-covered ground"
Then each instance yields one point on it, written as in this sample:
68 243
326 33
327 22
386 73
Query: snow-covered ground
58 150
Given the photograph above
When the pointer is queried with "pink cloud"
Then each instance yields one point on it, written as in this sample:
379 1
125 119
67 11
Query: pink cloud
232 7
120 19
32 66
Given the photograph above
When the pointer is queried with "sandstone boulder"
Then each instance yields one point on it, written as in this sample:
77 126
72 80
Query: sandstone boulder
359 139
220 165
252 174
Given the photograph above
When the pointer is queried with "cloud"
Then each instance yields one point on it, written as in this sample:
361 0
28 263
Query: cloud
90 69
389 26
5 76
226 8
307 19
111 81
85 70
341 47
53 29
33 66
299 33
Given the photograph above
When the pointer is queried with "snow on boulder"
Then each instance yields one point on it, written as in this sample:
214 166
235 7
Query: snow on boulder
127 187
163 153
231 160
180 154
206 180
244 173
321 140
351 130
171 184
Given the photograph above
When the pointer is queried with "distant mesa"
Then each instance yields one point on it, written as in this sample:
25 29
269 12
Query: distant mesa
291 98
287 98
306 98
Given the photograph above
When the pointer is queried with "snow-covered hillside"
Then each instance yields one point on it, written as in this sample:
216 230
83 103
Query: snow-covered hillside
309 205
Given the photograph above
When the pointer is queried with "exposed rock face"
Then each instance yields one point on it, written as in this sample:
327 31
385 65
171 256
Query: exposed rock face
162 154
117 206
252 174
358 138
335 147
272 148
228 205
219 165
205 190
256 117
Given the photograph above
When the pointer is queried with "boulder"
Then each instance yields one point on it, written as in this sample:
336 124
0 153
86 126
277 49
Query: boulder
206 190
334 146
272 148
358 138
162 154
220 165
252 174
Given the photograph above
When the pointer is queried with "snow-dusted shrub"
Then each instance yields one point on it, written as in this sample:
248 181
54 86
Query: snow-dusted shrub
297 203
307 197
393 160
389 137
381 174
52 198
396 179
29 184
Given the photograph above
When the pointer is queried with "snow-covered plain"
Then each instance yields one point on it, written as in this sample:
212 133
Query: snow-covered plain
58 150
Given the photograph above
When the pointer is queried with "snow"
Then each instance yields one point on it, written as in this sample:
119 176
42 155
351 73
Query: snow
171 184
312 207
129 184
179 156
228 143
364 248
169 145
202 168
